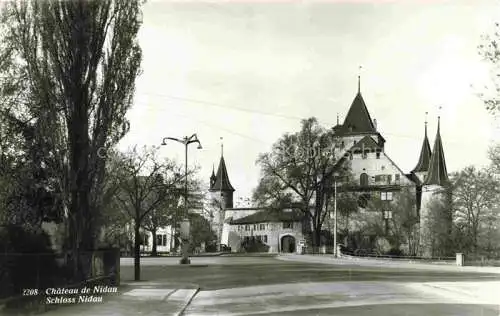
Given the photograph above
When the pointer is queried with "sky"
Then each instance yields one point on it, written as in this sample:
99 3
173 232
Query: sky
249 72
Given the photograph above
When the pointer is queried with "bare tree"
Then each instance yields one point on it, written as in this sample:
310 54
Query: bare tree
146 183
300 167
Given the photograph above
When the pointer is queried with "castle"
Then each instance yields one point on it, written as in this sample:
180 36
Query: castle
376 174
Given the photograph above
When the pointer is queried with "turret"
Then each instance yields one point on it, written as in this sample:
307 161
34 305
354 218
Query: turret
425 156
435 209
212 178
222 188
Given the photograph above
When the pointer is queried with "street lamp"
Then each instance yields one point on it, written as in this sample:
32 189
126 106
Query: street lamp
335 254
186 141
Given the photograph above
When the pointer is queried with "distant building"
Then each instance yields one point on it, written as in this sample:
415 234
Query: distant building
377 176
281 230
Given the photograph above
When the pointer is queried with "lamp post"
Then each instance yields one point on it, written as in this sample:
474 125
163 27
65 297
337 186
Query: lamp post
335 254
186 141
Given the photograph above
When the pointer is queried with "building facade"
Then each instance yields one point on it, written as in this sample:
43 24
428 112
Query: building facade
376 176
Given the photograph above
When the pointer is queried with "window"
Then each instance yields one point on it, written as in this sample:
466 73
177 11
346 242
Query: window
397 178
287 225
365 155
363 180
247 227
254 226
386 196
389 196
262 227
259 238
161 240
389 178
264 238
378 155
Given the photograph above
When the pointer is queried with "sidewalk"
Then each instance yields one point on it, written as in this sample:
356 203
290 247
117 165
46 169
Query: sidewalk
329 259
136 298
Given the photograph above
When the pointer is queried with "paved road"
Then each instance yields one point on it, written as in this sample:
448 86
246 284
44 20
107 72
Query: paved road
346 298
324 286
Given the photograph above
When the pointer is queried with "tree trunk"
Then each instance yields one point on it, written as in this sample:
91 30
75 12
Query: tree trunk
137 251
154 252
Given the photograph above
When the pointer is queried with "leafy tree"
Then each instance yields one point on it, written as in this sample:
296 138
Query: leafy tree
76 64
475 194
300 168
201 231
489 50
436 239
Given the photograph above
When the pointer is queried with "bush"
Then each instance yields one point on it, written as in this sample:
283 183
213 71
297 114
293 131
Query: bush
394 252
254 245
26 261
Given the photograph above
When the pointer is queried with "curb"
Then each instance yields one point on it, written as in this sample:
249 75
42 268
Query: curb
187 302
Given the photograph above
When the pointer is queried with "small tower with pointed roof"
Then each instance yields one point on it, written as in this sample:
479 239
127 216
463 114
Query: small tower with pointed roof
434 212
422 167
220 186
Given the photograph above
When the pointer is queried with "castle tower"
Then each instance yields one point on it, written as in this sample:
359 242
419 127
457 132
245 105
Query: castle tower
420 171
220 186
435 218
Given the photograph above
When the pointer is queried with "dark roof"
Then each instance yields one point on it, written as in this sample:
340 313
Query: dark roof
271 215
425 155
437 167
413 177
213 177
358 118
222 182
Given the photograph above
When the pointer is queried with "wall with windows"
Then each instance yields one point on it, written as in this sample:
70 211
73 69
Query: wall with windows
376 169
163 240
270 233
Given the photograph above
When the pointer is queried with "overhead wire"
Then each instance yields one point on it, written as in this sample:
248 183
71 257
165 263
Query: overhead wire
253 111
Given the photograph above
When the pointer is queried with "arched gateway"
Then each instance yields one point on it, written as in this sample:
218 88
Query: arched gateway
288 244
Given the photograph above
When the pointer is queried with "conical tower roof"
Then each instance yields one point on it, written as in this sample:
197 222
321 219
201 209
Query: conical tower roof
437 174
222 182
358 118
425 155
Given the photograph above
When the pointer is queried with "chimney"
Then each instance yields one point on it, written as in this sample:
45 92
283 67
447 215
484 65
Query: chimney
375 124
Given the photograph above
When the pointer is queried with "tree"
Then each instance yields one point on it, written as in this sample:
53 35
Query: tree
494 156
489 50
77 63
146 183
475 194
300 167
162 216
201 231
